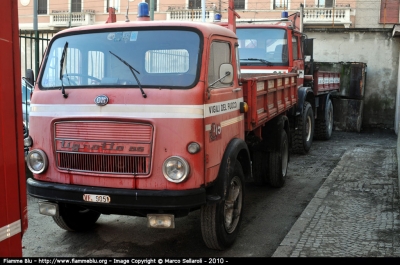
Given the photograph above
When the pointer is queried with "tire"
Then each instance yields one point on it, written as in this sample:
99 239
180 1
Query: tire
75 218
278 161
324 127
220 221
260 168
303 136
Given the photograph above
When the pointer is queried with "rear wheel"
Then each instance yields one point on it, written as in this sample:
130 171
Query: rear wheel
278 161
303 136
75 218
220 221
260 167
324 127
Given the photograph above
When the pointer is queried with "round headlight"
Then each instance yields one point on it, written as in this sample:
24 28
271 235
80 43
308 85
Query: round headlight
36 161
175 169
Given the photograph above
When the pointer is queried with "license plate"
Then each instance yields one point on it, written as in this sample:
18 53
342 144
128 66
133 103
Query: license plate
96 198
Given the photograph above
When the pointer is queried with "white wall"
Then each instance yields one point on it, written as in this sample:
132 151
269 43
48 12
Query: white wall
381 54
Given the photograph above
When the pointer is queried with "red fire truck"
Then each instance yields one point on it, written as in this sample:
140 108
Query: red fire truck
274 46
13 203
153 119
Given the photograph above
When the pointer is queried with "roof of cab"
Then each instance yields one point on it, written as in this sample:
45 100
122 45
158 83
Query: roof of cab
205 27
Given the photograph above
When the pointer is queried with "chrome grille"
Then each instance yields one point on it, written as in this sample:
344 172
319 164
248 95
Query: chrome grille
103 147
104 131
103 163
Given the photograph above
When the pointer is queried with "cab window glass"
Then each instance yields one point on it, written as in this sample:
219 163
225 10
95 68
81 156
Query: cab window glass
220 53
294 48
129 59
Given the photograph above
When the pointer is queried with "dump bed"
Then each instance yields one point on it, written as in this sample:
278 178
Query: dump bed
267 97
326 81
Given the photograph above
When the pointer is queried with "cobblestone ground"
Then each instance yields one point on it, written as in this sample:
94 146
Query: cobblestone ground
355 213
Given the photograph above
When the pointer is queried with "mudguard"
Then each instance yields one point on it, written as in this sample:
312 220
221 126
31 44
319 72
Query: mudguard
272 130
236 152
304 93
323 101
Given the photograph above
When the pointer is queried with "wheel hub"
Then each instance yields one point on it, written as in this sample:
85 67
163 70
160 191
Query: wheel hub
233 205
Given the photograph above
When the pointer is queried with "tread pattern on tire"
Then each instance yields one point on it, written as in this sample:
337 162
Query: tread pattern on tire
297 136
60 222
260 168
208 228
321 127
71 221
276 179
320 130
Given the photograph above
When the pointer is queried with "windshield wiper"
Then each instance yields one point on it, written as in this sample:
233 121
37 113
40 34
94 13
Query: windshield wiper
133 70
257 59
62 65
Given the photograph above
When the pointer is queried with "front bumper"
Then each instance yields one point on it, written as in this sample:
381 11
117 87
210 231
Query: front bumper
123 201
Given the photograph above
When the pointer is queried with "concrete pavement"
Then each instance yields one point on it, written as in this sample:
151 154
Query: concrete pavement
355 213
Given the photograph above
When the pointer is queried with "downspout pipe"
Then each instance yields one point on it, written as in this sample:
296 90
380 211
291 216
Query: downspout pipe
397 114
301 17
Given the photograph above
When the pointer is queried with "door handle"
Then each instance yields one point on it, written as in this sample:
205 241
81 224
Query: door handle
237 89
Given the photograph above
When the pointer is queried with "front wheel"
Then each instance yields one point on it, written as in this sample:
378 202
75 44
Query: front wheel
220 221
303 135
75 218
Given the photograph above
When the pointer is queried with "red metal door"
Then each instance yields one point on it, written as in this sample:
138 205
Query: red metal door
223 120
13 205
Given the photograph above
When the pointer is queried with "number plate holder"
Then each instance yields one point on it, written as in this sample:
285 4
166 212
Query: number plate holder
96 198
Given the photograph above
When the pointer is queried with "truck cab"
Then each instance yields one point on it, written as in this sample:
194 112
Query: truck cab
269 50
278 46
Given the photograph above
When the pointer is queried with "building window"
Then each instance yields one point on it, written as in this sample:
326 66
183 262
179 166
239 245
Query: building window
112 3
155 4
194 4
239 4
281 4
76 5
42 7
324 3
389 11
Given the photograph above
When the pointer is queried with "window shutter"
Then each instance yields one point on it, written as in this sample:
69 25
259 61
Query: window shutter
194 4
329 3
76 6
42 7
389 11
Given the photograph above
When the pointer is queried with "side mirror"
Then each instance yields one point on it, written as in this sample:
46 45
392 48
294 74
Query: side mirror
226 73
29 77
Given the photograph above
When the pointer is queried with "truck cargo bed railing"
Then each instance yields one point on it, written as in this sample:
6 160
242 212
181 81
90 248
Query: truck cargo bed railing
271 95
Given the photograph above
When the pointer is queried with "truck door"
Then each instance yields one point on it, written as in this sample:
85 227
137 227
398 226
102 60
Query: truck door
13 212
298 62
223 120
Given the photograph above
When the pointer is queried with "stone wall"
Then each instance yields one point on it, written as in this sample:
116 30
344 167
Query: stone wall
380 52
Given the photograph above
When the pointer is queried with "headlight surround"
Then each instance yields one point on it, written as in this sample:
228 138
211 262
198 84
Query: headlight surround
28 142
37 161
193 148
176 169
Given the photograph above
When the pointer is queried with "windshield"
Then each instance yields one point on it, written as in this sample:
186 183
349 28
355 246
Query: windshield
259 46
160 58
